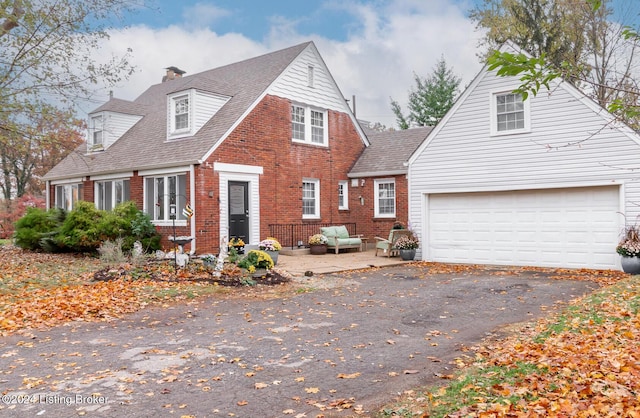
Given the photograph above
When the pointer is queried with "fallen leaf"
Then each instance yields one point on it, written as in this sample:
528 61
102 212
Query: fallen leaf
348 376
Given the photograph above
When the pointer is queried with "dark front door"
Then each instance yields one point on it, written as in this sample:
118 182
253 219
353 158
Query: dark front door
239 210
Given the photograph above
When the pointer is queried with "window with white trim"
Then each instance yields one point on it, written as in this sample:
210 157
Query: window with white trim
343 195
385 201
111 193
181 113
510 114
68 195
310 198
309 125
164 196
97 130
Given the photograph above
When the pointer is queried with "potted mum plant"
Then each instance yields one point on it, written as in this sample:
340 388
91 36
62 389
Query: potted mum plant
407 245
318 244
237 244
629 249
272 247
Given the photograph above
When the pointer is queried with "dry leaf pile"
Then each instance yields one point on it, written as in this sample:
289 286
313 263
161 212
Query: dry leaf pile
39 290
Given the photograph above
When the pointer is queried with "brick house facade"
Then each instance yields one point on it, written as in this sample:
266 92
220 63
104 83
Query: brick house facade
250 146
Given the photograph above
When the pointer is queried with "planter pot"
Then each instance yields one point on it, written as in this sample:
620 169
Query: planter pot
318 249
407 255
630 265
274 256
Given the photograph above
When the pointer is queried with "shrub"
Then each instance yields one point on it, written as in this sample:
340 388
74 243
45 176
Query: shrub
37 225
85 229
80 231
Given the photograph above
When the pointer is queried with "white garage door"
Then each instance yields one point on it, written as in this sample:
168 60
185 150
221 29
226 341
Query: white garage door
573 228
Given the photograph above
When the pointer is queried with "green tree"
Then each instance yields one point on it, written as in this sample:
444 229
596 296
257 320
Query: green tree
578 42
431 99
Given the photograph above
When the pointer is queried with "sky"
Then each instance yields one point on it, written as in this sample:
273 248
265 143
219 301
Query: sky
372 48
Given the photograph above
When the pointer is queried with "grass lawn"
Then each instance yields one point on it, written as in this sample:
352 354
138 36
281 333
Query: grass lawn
585 361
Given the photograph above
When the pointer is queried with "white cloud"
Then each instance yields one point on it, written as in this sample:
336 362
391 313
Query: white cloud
374 63
202 15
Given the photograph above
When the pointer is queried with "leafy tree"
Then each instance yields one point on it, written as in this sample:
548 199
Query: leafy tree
48 63
575 41
431 99
26 156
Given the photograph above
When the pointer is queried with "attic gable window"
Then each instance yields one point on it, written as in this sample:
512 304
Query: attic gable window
509 114
309 125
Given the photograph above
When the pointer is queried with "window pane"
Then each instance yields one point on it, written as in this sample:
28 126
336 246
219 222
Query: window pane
160 197
182 113
341 195
150 201
317 127
308 198
509 112
125 190
181 195
59 196
118 192
297 122
97 130
108 192
386 198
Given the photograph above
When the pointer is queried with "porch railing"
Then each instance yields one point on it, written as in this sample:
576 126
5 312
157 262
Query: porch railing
295 235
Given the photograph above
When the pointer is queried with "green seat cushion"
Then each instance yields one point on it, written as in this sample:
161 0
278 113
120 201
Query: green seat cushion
341 231
349 241
330 233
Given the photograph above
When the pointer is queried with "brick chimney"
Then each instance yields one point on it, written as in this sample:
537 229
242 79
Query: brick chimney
172 73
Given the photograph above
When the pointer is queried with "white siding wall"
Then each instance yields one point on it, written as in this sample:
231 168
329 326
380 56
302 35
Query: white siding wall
205 106
463 157
293 84
115 125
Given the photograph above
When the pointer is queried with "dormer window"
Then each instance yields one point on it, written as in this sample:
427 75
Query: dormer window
96 132
181 113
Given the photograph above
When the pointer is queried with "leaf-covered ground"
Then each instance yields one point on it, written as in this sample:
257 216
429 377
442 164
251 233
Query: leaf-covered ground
40 290
583 362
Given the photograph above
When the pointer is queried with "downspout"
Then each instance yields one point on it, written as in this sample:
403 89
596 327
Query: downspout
192 202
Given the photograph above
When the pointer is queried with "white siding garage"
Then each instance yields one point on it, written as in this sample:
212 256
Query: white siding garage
575 227
546 181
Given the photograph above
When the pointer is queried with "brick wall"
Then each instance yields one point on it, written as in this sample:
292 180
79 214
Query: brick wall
264 139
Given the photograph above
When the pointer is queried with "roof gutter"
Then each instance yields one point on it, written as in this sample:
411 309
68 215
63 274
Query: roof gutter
377 173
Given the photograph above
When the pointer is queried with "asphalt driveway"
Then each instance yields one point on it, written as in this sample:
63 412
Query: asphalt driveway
340 351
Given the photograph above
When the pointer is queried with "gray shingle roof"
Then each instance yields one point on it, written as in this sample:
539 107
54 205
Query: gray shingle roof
388 152
145 146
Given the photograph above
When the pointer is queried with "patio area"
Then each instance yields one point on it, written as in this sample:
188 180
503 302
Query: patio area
297 262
